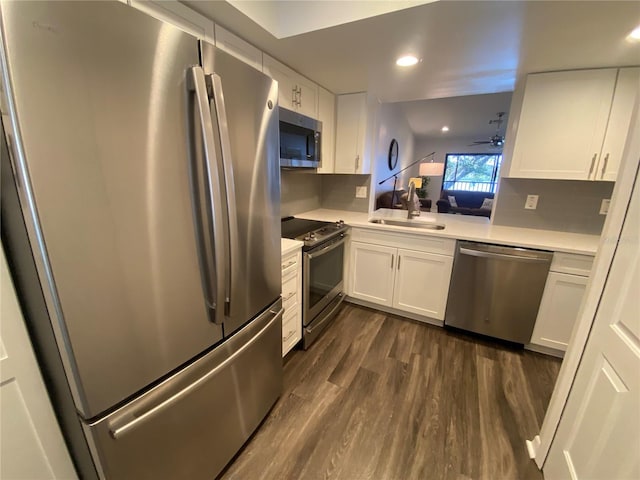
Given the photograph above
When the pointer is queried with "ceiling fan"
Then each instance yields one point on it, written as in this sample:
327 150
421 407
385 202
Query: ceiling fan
496 140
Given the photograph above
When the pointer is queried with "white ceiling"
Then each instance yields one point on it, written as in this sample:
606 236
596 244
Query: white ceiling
286 18
471 47
467 117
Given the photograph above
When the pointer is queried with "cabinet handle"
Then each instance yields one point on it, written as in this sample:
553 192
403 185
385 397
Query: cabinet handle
293 96
392 259
357 162
593 164
604 167
287 265
399 258
289 296
299 94
289 335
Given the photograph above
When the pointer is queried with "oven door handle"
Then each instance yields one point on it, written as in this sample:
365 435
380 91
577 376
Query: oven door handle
326 249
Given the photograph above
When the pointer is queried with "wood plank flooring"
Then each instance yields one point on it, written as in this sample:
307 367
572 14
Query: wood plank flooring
380 397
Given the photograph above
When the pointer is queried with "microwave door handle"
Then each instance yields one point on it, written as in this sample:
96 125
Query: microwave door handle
232 262
210 204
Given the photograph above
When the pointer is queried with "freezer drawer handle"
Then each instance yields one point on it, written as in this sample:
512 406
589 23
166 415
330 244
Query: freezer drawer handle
211 204
517 258
139 420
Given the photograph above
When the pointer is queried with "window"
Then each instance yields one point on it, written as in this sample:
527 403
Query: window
473 172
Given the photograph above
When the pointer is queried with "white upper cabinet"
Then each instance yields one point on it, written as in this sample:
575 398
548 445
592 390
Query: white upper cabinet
327 115
352 124
627 95
295 92
573 125
236 46
178 15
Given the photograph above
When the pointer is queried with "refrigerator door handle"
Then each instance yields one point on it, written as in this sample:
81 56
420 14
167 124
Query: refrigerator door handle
141 418
227 169
212 201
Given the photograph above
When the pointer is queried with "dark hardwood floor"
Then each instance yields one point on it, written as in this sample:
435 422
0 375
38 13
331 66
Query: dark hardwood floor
380 397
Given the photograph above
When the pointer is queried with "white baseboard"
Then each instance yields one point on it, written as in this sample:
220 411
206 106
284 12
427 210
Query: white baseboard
546 350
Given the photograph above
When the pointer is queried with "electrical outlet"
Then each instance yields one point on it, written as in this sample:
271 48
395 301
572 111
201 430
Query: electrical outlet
532 202
604 206
361 192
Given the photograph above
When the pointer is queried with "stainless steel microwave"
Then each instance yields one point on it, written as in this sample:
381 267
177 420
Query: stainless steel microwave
299 140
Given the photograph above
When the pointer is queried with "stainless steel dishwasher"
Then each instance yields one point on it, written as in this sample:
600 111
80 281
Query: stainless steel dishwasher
496 290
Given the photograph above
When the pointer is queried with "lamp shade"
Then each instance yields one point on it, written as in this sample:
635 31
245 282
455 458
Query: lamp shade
431 169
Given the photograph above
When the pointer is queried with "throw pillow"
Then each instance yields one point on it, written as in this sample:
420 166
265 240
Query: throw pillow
452 201
487 203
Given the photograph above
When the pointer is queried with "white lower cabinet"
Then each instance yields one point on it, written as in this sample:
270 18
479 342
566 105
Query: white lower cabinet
410 280
561 300
563 294
291 298
422 283
373 273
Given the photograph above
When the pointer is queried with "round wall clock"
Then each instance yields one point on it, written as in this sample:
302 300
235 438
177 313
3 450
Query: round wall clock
393 154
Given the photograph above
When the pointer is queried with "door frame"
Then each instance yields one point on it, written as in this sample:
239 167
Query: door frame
540 445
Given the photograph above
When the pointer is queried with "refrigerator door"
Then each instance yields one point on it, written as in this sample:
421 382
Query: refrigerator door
192 424
100 121
244 108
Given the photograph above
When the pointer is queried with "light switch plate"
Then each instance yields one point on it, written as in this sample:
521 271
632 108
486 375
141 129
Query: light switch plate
604 206
532 202
361 192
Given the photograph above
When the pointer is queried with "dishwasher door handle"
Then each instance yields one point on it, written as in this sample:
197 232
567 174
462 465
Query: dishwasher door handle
502 256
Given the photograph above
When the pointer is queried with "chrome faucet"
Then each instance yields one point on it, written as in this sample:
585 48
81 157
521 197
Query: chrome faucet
411 202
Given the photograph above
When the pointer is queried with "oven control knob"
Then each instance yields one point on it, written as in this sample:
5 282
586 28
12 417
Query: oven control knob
312 236
340 223
306 238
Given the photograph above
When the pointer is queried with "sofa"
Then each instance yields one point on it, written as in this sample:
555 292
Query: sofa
399 201
467 203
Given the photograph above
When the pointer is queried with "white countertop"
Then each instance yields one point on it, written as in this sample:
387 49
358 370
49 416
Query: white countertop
287 245
466 227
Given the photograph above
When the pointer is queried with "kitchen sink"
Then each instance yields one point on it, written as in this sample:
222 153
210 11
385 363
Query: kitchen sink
408 223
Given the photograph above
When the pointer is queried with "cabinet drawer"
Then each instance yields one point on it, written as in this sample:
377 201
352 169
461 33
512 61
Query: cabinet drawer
290 291
417 242
572 263
289 263
291 330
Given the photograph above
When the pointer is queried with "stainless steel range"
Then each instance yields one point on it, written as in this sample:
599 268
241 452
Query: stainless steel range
322 269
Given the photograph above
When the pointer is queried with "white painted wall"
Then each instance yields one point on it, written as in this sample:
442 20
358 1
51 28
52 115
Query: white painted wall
391 123
442 146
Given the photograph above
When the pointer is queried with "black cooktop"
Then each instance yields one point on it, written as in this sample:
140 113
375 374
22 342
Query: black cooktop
295 227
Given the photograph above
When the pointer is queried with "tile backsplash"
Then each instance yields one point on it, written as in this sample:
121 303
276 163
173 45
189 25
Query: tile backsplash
563 205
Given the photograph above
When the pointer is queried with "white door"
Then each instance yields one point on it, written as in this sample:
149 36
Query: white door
372 272
599 433
563 294
422 283
31 444
282 74
307 96
350 131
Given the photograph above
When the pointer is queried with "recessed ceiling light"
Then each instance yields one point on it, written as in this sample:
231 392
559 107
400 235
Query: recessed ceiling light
406 61
445 129
634 36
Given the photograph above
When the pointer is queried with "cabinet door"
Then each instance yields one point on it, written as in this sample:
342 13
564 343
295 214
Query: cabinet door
178 15
283 75
230 43
327 115
559 308
422 283
350 132
372 272
562 124
624 99
307 96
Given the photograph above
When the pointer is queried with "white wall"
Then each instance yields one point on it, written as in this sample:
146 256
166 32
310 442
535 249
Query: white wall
442 146
391 123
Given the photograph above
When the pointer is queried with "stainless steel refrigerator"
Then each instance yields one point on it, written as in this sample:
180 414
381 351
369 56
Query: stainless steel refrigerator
140 215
